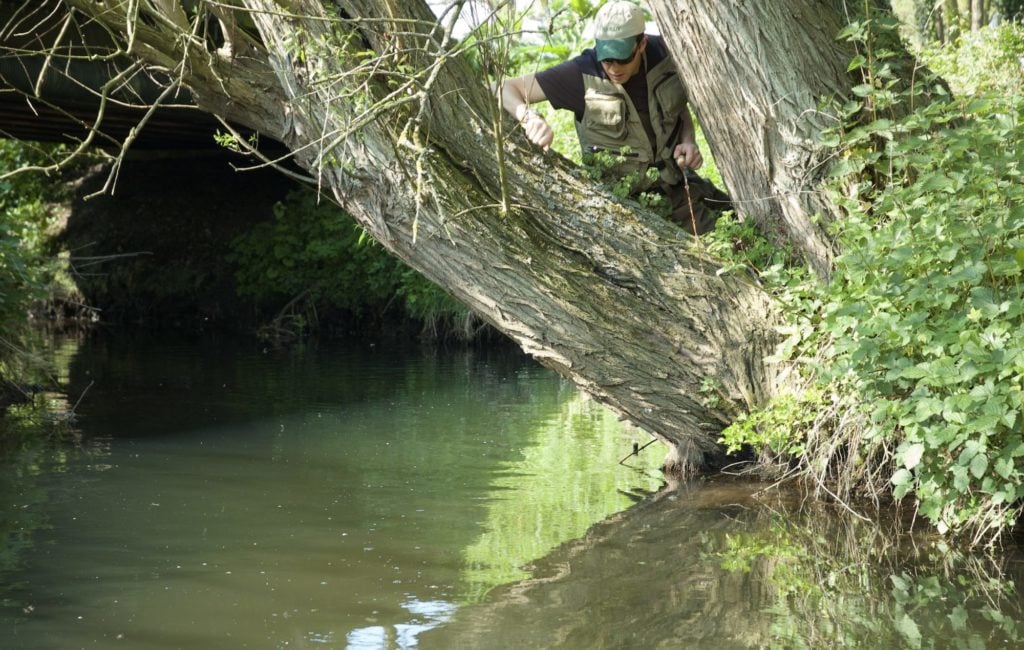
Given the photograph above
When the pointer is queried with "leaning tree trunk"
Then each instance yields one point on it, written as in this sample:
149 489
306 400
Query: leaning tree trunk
398 128
378 105
756 73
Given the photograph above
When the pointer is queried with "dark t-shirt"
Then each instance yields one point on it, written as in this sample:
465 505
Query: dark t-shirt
563 84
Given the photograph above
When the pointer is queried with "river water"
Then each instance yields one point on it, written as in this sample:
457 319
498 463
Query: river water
219 494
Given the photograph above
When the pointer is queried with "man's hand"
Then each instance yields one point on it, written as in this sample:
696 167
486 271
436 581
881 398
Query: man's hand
537 129
687 156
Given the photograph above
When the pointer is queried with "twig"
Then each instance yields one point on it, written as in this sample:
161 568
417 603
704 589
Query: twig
689 203
637 450
80 398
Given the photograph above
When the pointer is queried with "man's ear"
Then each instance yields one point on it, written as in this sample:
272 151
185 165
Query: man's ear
643 44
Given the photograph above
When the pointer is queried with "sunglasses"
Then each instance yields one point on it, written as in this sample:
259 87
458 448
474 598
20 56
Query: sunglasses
636 49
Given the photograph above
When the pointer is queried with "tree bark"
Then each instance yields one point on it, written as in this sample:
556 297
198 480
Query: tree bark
978 15
951 19
393 123
757 75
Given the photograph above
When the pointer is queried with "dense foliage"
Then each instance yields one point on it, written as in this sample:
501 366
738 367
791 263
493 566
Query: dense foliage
312 259
921 322
31 276
945 21
24 218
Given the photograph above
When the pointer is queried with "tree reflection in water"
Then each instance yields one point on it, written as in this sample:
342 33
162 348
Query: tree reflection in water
707 565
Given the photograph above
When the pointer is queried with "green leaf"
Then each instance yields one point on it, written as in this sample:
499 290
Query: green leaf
935 181
901 477
979 465
863 90
901 491
1004 467
908 628
899 583
927 407
969 452
854 30
912 455
958 617
961 480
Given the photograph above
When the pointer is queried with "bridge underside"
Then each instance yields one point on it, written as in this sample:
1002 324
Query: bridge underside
65 106
59 99
26 118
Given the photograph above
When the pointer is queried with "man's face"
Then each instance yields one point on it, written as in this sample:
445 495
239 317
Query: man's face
620 71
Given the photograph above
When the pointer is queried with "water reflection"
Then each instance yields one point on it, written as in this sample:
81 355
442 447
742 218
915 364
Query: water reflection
402 635
841 581
708 566
218 496
566 480
222 496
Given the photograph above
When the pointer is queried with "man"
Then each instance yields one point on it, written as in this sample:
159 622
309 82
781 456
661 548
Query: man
631 109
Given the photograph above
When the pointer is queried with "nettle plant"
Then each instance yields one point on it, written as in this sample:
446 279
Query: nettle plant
925 307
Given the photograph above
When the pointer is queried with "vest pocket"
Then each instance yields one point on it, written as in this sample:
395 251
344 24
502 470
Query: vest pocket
668 110
605 118
670 96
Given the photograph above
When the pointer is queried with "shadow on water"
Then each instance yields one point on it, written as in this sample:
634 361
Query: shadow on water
212 494
706 565
222 495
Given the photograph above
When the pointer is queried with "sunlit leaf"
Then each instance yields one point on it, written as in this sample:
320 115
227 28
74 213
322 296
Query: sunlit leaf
912 456
978 465
901 476
958 617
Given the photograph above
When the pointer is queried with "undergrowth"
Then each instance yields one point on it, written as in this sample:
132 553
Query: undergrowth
32 279
913 352
313 258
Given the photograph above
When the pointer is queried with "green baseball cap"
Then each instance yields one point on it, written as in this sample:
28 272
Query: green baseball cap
616 28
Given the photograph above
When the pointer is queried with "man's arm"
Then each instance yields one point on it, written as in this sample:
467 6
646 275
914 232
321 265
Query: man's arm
516 96
687 153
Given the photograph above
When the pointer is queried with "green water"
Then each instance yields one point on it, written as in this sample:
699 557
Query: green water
218 495
211 494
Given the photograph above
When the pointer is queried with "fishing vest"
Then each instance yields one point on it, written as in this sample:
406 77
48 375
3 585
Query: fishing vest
611 122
